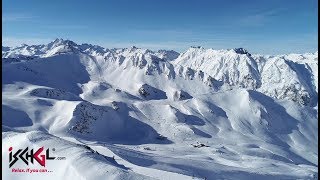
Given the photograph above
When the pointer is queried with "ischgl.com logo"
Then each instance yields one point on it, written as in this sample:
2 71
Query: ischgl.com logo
30 156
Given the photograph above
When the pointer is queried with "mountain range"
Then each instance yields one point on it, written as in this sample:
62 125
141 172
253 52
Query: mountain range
132 113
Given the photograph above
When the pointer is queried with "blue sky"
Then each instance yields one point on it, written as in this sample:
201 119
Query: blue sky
260 26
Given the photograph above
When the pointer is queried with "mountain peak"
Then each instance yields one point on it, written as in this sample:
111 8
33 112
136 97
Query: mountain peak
241 51
134 47
60 41
168 54
57 40
197 47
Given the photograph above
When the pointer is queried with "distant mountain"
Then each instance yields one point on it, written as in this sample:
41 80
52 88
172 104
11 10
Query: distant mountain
291 76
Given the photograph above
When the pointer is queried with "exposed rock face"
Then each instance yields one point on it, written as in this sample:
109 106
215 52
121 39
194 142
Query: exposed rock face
148 92
115 105
143 92
85 114
241 51
55 94
181 95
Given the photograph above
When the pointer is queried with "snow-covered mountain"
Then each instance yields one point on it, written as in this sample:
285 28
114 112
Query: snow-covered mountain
204 113
290 76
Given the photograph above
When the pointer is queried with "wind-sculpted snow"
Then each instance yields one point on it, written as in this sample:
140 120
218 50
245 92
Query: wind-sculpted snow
63 72
134 113
14 118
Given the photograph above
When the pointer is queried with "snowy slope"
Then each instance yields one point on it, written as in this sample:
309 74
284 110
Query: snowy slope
290 76
204 113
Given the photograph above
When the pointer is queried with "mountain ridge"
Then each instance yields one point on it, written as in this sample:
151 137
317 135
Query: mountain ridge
231 67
